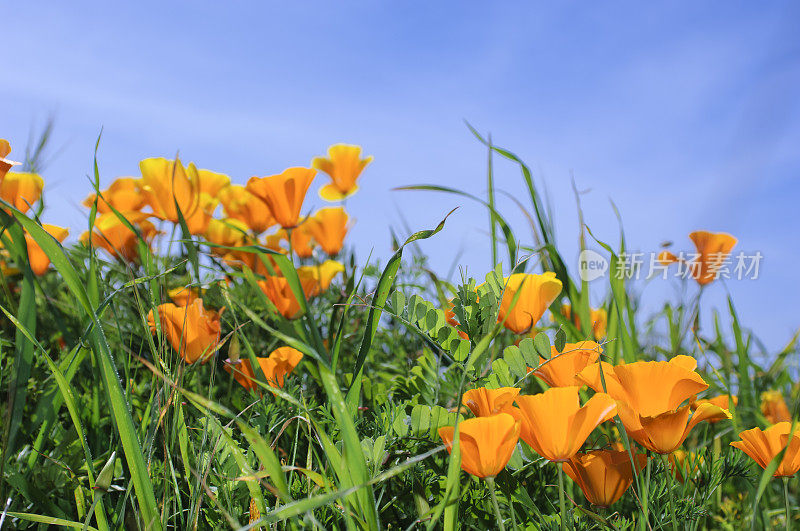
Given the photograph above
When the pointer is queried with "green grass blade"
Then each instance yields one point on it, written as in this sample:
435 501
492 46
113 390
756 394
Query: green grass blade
114 392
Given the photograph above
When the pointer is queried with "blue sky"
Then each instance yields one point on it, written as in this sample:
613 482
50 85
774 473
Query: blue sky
685 113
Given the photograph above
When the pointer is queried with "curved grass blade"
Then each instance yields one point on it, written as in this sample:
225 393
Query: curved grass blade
378 301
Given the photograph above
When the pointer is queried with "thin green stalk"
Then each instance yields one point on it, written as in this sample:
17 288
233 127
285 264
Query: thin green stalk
561 501
497 515
786 501
645 496
670 483
490 193
291 249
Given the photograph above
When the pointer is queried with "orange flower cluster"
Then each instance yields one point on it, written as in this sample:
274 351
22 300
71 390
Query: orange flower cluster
169 190
22 190
651 398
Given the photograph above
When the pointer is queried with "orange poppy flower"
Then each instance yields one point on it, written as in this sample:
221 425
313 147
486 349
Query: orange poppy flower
319 277
603 475
774 407
599 319
240 204
538 292
37 258
21 190
192 330
344 165
124 194
763 446
229 233
165 182
722 401
486 443
279 292
184 296
226 232
649 395
713 249
283 193
5 164
562 368
328 226
303 243
116 238
555 425
484 402
280 362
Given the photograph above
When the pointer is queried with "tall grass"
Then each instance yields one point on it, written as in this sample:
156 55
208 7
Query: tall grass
105 427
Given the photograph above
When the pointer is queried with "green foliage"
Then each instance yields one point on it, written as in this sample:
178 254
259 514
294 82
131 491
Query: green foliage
106 427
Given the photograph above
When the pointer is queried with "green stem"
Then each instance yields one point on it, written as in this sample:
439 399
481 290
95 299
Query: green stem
786 501
645 495
289 241
490 193
561 501
495 505
670 483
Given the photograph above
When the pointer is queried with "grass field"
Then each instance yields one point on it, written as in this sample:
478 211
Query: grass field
210 355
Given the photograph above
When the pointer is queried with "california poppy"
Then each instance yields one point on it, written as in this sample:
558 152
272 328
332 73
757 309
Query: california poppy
37 258
192 330
275 367
598 318
228 233
649 395
328 226
5 164
184 295
713 249
283 193
484 402
116 238
279 292
319 277
21 190
723 401
555 425
603 475
303 242
124 194
344 165
538 291
774 407
486 443
764 445
167 182
240 204
562 368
